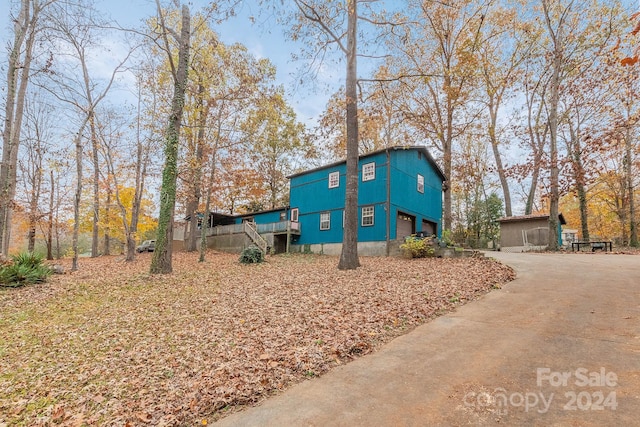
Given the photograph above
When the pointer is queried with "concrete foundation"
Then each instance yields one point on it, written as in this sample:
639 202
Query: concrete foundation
235 243
364 248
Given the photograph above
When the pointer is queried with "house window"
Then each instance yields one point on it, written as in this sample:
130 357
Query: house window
367 216
420 183
334 179
325 220
294 215
283 216
369 171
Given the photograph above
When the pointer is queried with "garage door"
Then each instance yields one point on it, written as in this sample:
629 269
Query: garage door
405 226
428 227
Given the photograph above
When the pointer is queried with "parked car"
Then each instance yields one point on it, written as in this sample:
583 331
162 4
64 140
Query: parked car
146 246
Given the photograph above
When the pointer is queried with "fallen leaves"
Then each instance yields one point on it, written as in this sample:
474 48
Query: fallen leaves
114 345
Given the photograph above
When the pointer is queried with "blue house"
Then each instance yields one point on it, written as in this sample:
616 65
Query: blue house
399 194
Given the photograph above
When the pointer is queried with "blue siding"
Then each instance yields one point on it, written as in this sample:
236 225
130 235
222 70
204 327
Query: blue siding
310 193
405 197
263 217
393 190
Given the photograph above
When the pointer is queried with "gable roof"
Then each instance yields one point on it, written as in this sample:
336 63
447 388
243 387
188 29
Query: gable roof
530 218
419 148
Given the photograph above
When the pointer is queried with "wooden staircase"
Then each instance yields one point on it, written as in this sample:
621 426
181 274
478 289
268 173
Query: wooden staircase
255 237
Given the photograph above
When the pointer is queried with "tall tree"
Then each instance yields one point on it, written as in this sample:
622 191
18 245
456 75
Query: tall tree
276 142
624 83
574 45
508 42
327 24
556 33
74 27
142 148
162 255
441 50
37 143
26 26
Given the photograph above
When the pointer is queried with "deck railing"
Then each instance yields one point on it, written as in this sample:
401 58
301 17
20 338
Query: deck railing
225 229
278 227
272 227
255 237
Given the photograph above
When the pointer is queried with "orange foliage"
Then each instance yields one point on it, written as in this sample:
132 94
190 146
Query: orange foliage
629 61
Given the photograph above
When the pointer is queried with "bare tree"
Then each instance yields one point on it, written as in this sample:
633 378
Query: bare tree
574 45
75 28
327 22
25 32
37 141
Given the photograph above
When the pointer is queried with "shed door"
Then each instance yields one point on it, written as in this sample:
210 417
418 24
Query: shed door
405 226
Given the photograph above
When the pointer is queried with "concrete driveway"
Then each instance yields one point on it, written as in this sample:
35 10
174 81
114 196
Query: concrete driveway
559 346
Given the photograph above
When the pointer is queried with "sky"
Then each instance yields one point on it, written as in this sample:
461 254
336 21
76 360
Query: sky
265 39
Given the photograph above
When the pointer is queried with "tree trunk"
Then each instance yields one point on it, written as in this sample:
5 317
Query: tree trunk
349 256
33 206
17 81
194 203
554 98
95 238
207 207
141 171
107 221
76 201
574 150
498 159
161 261
50 225
447 147
628 162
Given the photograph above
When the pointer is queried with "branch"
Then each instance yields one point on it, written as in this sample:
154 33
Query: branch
314 16
400 77
167 48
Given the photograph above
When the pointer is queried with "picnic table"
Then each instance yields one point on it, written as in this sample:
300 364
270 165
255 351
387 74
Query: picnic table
593 244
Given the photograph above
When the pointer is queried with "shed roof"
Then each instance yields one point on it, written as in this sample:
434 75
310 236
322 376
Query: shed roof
422 149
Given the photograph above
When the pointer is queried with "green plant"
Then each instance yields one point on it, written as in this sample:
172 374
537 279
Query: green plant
23 269
251 255
414 247
447 238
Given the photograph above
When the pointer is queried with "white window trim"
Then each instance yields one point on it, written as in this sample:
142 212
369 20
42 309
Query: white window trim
369 171
363 216
327 221
420 187
294 215
334 179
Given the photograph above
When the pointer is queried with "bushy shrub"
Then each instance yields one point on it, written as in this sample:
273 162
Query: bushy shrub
251 255
24 269
415 247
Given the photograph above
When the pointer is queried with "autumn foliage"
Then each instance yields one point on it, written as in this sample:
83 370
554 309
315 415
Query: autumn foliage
113 345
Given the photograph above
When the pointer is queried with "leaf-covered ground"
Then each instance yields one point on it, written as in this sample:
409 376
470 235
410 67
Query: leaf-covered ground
113 345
